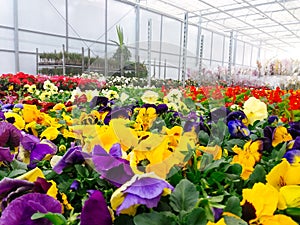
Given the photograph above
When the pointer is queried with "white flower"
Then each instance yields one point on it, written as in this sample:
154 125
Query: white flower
174 95
150 97
123 97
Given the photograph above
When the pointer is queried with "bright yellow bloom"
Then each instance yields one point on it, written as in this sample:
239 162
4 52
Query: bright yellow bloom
50 133
32 89
255 110
247 157
291 195
276 220
281 134
216 151
263 197
283 174
16 119
59 106
220 222
145 118
30 113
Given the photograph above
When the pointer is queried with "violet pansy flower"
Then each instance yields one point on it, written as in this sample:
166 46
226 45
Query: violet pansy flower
111 166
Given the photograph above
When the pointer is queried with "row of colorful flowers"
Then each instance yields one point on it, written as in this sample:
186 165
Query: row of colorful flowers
190 155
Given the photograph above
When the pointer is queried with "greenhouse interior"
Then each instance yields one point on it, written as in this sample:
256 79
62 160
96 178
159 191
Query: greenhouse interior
150 112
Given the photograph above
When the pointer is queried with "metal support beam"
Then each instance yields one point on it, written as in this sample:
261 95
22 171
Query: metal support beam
230 56
149 50
234 45
160 45
16 36
180 51
106 37
243 58
37 60
63 60
137 31
184 53
198 41
201 55
211 47
223 51
67 26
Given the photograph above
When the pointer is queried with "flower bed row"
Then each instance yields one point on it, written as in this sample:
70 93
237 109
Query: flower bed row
193 155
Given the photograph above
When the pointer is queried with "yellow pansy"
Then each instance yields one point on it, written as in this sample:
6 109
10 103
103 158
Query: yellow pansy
30 113
276 220
50 133
145 118
281 134
15 119
283 174
216 151
291 195
255 110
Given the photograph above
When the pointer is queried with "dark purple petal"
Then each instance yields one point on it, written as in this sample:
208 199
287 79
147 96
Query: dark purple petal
29 142
39 152
8 185
20 210
268 132
272 119
2 116
19 105
190 125
75 184
73 156
9 135
161 108
41 185
296 144
95 211
7 106
294 129
217 213
219 113
5 154
116 151
290 155
237 129
113 169
237 115
98 101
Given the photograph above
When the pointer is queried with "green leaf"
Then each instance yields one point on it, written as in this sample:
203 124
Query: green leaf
281 152
124 220
232 220
258 175
153 218
15 164
81 170
203 137
184 197
16 173
196 217
55 218
233 206
190 103
206 161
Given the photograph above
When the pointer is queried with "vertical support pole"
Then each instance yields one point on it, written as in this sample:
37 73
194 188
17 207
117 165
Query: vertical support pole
201 55
37 60
82 59
223 51
105 50
234 44
16 36
184 53
149 50
243 58
258 57
180 50
160 45
67 26
154 68
250 63
89 60
211 47
137 35
198 41
165 69
230 56
63 60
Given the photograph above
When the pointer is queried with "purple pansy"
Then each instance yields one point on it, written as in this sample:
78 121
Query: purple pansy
237 129
142 190
95 210
111 166
291 156
5 154
294 129
74 155
20 210
37 149
9 135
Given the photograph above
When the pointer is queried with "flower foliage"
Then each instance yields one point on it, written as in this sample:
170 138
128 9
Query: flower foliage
75 150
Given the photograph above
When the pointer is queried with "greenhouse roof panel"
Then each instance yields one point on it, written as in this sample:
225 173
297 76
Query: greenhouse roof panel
269 21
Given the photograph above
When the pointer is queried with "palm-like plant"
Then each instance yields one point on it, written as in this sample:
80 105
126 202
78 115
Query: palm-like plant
122 54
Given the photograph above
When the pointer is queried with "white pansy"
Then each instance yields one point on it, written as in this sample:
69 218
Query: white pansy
150 97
